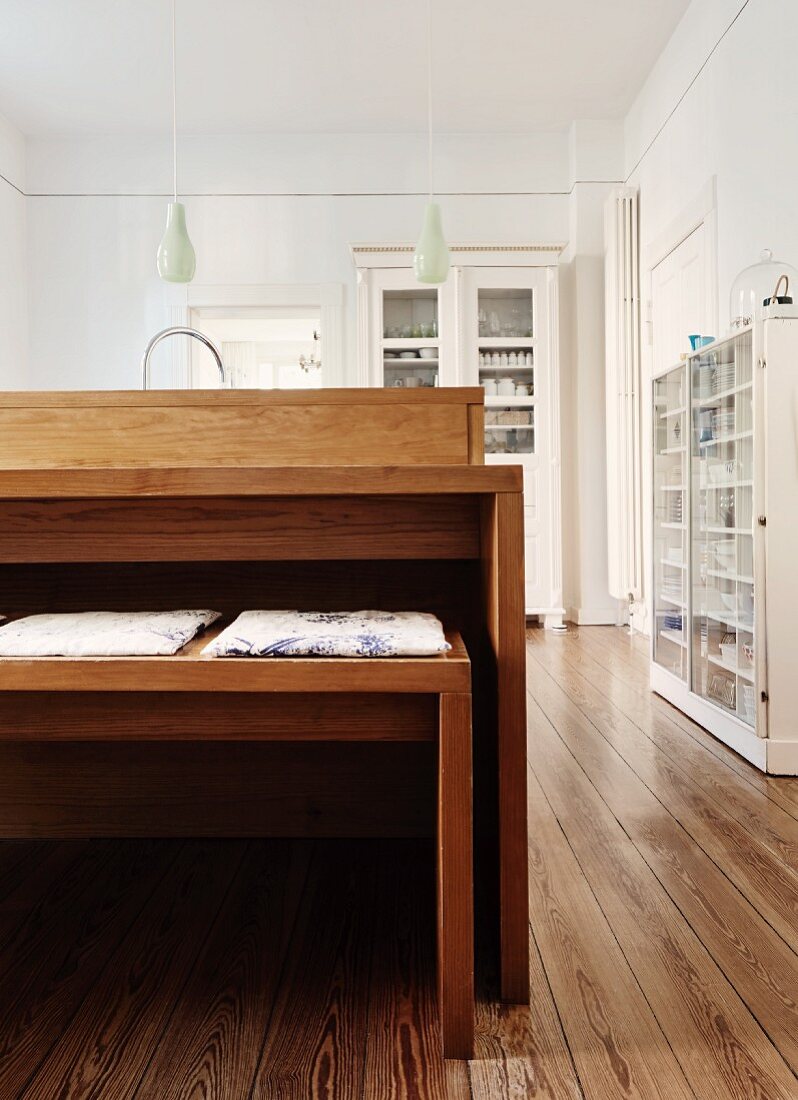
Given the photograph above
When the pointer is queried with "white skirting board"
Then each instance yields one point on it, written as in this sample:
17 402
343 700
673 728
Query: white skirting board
597 616
771 755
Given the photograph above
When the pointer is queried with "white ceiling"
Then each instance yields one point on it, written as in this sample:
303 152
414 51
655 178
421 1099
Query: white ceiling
102 66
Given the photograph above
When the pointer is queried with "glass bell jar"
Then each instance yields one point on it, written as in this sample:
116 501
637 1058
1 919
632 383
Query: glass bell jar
756 285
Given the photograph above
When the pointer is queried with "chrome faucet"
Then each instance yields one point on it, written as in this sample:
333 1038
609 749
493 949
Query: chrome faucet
178 330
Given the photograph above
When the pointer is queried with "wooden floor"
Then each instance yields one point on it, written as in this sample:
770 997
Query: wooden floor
663 916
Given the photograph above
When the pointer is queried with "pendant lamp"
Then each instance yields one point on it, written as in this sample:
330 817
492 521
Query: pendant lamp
431 258
176 258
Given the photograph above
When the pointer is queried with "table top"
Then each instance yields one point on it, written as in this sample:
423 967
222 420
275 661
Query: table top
78 482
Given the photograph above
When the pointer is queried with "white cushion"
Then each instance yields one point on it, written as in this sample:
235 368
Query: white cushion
330 634
103 633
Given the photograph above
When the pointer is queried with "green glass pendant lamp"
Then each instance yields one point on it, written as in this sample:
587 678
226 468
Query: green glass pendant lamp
431 258
176 258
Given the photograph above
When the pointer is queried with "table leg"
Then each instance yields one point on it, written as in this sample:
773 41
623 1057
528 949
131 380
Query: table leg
503 584
455 877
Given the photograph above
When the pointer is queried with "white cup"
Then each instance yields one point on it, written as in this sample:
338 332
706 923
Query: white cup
491 388
412 381
522 390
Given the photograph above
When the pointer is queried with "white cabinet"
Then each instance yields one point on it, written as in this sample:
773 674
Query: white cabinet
489 325
725 540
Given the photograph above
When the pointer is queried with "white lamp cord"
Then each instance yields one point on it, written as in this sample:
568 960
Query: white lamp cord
429 96
174 101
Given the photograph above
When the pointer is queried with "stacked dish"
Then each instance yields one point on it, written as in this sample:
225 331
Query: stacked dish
723 377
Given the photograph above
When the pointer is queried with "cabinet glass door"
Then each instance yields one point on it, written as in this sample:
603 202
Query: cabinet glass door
410 337
670 431
506 367
722 526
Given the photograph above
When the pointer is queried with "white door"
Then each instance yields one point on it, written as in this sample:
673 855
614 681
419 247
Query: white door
679 300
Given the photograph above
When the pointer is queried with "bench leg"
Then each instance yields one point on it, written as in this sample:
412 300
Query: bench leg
455 878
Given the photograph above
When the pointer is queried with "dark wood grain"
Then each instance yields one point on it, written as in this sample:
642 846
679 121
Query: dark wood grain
721 1048
645 954
240 528
105 1049
211 1045
521 1050
455 878
316 1041
84 790
27 868
503 595
403 1047
55 964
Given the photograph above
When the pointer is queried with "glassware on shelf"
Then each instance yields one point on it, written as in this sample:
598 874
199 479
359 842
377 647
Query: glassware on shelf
756 285
670 535
722 526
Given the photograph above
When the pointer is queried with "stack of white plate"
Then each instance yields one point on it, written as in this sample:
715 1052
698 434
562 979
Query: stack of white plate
723 377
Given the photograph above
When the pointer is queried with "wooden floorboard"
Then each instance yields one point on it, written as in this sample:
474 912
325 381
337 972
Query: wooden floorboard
761 965
663 933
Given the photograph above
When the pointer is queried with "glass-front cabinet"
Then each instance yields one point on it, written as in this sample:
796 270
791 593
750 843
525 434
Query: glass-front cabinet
670 544
493 324
708 544
722 527
413 332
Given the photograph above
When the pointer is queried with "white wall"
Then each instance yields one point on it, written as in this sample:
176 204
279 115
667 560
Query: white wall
721 103
261 209
13 281
284 209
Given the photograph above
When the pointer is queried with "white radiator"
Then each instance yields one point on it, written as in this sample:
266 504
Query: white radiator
622 290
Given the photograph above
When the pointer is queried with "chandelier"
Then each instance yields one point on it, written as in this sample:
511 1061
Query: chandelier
314 363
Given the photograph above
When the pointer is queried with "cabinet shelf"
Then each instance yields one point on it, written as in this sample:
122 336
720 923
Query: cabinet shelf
738 577
500 343
708 401
511 402
733 438
673 636
728 619
516 368
735 670
410 343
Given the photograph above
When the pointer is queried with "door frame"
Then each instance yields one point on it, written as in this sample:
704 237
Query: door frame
701 211
327 298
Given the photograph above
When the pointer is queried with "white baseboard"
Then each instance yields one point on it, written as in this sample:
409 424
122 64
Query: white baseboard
596 616
782 756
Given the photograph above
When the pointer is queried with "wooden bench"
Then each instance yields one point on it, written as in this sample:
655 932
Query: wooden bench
336 499
114 699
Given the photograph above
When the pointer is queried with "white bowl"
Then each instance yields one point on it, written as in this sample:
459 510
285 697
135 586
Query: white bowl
729 600
408 355
747 600
428 353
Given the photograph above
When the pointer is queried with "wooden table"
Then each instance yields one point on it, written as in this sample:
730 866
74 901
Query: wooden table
121 514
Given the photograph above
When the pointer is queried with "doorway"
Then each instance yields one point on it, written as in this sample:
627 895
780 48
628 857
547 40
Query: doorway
267 348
